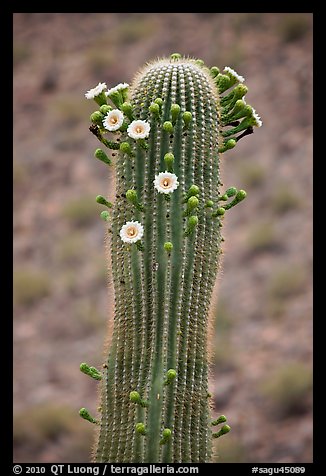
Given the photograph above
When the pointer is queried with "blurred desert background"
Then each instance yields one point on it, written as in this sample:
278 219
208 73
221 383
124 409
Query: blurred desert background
262 363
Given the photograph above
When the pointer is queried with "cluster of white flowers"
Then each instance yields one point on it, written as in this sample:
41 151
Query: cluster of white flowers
164 182
136 129
233 73
92 93
115 118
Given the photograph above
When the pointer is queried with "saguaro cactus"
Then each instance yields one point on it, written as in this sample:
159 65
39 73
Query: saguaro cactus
165 237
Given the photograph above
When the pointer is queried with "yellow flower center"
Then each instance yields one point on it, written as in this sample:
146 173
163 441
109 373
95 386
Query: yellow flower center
139 129
166 183
132 231
113 120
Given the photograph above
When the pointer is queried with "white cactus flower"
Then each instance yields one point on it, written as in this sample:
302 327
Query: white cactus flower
131 232
165 182
233 73
259 122
116 88
92 93
113 120
138 129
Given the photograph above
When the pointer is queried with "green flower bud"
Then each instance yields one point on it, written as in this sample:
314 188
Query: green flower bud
154 109
223 82
229 144
219 212
186 116
159 101
126 108
166 435
101 155
220 419
134 397
241 195
97 118
193 221
168 127
175 111
126 149
232 97
230 192
84 413
91 371
233 75
116 98
109 143
140 428
171 375
105 108
193 191
225 429
192 203
169 160
191 225
105 215
132 197
214 71
175 56
103 201
239 105
168 246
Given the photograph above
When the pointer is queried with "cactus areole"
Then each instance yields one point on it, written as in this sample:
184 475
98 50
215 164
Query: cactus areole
167 132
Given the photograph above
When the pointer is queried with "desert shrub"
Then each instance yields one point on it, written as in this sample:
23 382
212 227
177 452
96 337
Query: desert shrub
262 237
81 212
30 285
284 199
288 387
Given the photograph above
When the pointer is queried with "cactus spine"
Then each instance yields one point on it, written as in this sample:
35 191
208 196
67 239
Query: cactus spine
165 241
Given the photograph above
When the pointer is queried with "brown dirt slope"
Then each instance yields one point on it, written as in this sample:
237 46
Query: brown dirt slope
262 374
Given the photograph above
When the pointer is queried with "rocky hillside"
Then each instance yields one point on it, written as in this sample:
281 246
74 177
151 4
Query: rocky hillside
262 363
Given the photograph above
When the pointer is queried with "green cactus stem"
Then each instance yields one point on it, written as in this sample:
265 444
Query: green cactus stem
170 129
